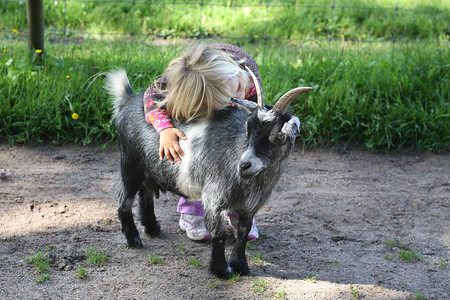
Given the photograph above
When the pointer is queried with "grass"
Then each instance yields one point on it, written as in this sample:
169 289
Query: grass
280 294
419 296
354 292
41 262
395 98
380 96
155 260
96 256
388 256
257 258
371 20
311 278
408 255
233 278
195 262
258 285
395 243
404 253
80 273
250 245
213 284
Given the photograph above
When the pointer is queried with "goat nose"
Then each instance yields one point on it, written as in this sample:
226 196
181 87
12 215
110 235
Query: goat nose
245 166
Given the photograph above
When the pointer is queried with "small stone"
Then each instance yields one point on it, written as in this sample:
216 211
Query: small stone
59 156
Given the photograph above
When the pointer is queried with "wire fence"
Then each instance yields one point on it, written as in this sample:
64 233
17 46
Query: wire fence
328 10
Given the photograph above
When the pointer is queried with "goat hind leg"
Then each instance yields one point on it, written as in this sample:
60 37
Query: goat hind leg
129 185
147 212
128 227
238 261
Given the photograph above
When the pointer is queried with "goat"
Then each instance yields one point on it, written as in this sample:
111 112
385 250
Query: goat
232 161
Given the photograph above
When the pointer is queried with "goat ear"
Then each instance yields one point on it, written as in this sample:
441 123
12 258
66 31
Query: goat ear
283 103
245 105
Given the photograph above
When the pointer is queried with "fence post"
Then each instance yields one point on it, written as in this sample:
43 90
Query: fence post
35 18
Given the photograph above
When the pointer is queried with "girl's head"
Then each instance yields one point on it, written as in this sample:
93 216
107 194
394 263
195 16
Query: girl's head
200 81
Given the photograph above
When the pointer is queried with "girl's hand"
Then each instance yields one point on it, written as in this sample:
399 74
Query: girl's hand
169 146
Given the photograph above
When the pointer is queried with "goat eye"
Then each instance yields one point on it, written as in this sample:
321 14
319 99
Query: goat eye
279 137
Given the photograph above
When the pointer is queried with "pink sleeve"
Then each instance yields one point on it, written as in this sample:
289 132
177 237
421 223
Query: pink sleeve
159 118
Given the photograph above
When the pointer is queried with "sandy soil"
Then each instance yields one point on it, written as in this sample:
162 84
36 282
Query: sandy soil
323 233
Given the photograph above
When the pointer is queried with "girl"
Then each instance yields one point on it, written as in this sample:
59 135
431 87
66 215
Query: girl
193 86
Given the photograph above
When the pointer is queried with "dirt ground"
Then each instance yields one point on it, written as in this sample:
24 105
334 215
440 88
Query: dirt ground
334 228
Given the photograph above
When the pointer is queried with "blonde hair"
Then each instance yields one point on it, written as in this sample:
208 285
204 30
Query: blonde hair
197 83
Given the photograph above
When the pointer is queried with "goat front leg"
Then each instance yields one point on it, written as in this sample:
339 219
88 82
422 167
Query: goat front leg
238 261
218 264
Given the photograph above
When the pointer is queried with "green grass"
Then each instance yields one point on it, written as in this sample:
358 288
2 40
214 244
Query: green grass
367 20
408 255
41 262
354 292
404 253
96 256
258 285
155 260
80 273
388 256
233 278
311 278
195 262
395 243
419 296
382 98
257 258
280 294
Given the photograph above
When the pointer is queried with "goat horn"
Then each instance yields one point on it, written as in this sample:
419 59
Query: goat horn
259 92
283 103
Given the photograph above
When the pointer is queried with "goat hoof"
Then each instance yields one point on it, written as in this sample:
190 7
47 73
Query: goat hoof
240 267
221 272
154 230
135 242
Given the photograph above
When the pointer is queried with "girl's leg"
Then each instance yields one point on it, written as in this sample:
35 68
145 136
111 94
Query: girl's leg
233 220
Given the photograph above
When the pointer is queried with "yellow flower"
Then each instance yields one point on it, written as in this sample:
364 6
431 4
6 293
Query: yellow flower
15 31
367 56
5 50
74 116
68 76
38 51
364 35
256 36
319 29
342 36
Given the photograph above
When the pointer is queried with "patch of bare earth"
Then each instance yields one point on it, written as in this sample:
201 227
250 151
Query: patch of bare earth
323 232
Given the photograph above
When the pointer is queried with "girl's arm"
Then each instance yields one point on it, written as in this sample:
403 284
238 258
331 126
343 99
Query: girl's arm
160 119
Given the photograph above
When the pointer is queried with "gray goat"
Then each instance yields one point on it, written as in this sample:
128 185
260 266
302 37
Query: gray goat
232 161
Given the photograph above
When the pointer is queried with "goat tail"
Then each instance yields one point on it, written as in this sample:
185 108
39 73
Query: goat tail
119 88
116 189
